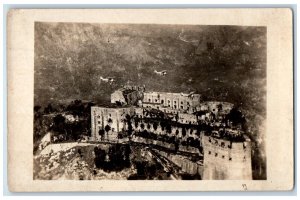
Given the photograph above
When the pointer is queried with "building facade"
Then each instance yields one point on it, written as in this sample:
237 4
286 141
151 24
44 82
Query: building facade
113 117
172 101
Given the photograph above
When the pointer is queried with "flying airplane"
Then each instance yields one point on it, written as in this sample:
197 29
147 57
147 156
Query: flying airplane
161 73
109 80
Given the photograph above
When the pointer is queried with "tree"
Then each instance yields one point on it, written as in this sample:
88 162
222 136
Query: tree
48 109
37 108
101 133
177 117
183 132
136 122
148 126
107 128
236 117
155 125
169 128
219 107
142 125
59 123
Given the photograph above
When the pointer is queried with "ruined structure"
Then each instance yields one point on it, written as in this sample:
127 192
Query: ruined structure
181 122
128 96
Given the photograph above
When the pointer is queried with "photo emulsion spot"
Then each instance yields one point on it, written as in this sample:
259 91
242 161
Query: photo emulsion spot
149 102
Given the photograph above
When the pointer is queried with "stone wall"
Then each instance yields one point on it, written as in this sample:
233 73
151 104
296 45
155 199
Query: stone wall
153 142
186 165
224 160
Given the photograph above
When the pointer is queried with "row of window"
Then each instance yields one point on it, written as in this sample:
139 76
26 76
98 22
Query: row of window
223 156
109 121
162 101
175 107
98 116
216 154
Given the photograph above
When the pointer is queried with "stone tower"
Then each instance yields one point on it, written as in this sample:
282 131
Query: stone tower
225 160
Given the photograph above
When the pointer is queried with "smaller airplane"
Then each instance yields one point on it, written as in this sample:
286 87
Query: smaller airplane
246 43
161 73
190 95
109 80
190 80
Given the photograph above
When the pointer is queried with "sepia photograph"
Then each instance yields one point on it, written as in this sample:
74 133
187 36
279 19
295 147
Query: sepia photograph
149 102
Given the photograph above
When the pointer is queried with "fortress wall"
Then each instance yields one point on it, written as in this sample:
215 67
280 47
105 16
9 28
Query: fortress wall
184 163
223 162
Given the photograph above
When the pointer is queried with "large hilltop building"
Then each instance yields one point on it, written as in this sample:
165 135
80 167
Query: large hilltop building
168 102
172 119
